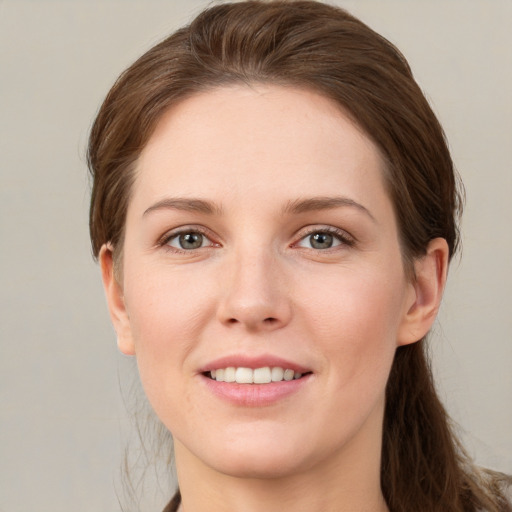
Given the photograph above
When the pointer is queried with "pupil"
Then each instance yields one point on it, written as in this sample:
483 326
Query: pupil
321 240
191 240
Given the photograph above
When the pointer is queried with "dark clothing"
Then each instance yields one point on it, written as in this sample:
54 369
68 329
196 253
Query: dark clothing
173 505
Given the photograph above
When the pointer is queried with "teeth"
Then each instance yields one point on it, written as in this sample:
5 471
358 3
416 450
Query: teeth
229 374
277 374
288 374
244 376
263 375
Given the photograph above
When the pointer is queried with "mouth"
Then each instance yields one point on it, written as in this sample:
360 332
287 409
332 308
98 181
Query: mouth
262 375
256 380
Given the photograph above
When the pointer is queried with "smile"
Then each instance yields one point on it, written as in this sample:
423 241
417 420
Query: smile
264 375
248 387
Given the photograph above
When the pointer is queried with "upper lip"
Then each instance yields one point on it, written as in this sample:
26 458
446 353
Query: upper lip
253 362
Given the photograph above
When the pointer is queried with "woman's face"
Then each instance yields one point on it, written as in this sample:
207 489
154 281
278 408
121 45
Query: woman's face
259 235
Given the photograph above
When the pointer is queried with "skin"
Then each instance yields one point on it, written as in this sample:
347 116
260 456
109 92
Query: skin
258 286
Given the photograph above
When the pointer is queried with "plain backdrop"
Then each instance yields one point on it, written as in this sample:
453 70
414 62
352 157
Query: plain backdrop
63 386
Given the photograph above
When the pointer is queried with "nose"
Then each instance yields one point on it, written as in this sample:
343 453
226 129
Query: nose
254 292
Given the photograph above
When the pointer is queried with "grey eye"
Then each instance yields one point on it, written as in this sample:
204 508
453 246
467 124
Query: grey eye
321 240
188 241
191 240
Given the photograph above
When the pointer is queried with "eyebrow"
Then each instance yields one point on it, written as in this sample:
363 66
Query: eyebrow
325 203
293 207
185 204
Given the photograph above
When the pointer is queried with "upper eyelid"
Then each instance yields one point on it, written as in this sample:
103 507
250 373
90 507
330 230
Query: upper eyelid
175 232
342 233
299 234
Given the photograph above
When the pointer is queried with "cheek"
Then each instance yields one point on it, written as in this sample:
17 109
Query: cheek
167 315
355 321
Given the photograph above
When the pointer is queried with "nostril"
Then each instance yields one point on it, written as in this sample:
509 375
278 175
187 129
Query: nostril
269 321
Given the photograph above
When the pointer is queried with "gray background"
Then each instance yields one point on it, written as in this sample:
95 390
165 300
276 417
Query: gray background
63 385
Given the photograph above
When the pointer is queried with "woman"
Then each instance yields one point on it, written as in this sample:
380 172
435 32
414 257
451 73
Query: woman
274 208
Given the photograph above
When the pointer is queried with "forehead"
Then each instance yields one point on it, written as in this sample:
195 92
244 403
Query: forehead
266 141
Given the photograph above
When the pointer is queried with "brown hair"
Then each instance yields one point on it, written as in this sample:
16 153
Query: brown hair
323 48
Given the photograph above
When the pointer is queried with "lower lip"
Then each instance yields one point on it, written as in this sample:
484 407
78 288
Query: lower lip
255 395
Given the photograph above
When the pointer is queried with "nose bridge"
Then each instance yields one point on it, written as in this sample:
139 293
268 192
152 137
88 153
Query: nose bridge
254 289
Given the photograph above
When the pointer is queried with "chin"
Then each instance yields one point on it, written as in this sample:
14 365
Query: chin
260 458
264 466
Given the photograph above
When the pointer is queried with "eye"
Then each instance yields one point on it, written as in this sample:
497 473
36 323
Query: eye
322 239
188 240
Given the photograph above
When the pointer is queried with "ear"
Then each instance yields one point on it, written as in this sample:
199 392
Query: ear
425 292
115 301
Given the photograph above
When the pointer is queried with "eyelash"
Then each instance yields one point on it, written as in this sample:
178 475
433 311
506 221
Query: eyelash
342 236
168 237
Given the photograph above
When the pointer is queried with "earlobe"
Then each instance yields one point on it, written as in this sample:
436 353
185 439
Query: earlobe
115 301
426 292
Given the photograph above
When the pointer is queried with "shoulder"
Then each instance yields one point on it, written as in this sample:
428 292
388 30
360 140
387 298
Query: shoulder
507 491
500 485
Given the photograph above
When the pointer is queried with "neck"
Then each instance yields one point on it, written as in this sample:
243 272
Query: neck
347 482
